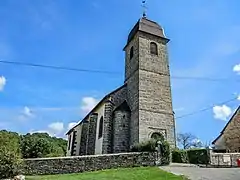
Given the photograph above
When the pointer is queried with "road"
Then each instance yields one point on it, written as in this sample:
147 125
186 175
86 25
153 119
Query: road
195 173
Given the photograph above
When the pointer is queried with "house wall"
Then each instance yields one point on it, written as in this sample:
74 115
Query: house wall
74 146
232 133
69 148
99 141
220 144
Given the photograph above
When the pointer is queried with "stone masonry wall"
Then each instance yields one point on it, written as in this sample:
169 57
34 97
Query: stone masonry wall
121 131
92 134
65 165
149 89
155 99
232 134
107 128
224 159
132 80
84 138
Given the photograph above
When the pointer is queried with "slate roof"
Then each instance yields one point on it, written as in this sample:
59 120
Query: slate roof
100 102
147 26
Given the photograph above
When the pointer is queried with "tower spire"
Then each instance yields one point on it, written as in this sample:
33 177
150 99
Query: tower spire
144 8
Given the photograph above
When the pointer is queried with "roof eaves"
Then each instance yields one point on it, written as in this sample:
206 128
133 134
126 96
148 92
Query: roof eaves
100 102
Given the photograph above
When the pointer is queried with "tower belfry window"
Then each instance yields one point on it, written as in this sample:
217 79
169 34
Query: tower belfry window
131 52
153 48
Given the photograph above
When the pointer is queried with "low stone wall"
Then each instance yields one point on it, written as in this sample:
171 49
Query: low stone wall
64 165
224 159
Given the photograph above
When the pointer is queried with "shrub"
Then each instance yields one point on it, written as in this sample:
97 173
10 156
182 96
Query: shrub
165 153
198 156
193 156
150 146
9 154
146 146
179 156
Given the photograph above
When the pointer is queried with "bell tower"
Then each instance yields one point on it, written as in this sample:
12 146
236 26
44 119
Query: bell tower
147 77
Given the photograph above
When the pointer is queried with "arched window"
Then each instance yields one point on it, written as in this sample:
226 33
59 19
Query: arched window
131 52
157 136
100 132
153 48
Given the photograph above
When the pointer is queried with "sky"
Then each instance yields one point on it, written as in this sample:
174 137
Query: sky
91 34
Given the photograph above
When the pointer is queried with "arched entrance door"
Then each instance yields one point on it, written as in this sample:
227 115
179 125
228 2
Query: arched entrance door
157 136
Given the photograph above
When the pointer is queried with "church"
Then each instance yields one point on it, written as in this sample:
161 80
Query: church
137 111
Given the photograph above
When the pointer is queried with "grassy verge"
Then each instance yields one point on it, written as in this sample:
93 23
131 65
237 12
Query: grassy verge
142 173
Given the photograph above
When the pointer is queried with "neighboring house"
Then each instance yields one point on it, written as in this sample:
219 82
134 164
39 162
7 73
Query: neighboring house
137 111
229 139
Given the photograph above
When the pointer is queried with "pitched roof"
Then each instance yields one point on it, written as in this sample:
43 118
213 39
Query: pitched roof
235 113
100 102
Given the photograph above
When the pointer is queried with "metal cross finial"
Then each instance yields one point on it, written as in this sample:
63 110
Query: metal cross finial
144 8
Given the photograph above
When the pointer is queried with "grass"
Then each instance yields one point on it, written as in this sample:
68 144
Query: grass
142 173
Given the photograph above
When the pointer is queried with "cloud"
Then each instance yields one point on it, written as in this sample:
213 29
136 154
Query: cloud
2 82
222 112
71 125
56 128
88 104
238 98
27 112
236 69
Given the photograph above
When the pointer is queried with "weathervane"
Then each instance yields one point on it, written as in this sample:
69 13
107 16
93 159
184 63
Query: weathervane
144 8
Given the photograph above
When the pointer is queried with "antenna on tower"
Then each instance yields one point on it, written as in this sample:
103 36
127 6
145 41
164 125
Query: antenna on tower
144 8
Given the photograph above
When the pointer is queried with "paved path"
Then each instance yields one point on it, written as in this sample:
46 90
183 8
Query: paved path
196 173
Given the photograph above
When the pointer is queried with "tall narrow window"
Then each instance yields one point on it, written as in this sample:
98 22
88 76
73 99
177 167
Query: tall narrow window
153 48
131 52
100 132
69 141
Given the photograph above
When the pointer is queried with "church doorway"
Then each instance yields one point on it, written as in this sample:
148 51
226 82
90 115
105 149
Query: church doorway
157 136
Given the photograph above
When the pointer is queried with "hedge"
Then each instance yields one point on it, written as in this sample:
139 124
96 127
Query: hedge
150 146
193 156
179 156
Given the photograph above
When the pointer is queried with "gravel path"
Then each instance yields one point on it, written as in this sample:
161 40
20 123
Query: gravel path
195 173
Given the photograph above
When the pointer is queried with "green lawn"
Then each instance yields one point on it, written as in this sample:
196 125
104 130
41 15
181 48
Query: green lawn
143 173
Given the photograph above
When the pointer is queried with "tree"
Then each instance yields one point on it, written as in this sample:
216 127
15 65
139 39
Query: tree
32 147
9 154
187 141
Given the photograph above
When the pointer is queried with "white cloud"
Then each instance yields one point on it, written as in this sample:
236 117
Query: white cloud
71 125
56 127
222 112
88 103
27 112
236 69
238 98
2 82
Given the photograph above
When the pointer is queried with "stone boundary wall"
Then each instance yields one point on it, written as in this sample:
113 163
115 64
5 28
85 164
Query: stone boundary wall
224 159
77 164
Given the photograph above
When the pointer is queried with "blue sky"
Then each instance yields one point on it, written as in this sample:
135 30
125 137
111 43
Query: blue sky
91 34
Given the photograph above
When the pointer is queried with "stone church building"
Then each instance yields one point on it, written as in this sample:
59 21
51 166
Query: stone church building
138 110
229 138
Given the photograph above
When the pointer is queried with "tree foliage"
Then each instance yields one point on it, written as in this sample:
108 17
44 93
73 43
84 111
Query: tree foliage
10 154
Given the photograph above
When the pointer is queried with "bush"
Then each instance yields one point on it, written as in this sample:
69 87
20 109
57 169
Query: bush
198 156
179 156
193 156
9 154
150 146
146 146
165 153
